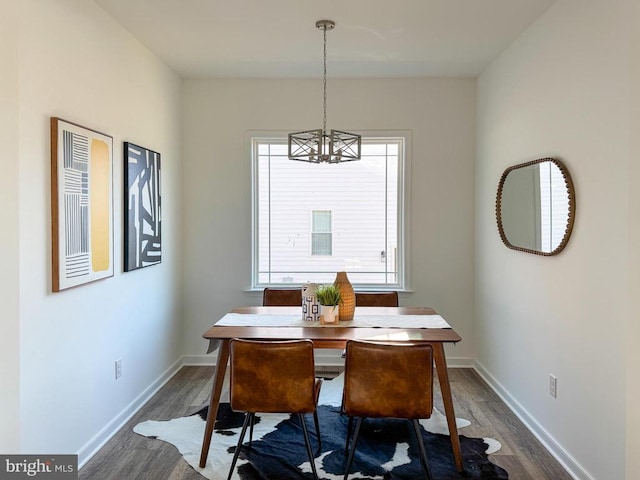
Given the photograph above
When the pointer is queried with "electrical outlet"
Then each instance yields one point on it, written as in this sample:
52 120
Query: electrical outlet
118 368
553 386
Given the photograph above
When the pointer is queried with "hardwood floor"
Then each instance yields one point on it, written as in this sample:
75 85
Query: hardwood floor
522 455
128 456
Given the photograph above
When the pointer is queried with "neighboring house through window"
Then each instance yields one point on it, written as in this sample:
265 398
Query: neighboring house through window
554 206
313 220
321 232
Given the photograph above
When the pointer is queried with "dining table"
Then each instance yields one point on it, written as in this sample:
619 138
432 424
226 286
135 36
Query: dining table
397 325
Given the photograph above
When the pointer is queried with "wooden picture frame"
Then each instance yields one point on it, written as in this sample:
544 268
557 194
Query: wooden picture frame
142 207
81 205
526 196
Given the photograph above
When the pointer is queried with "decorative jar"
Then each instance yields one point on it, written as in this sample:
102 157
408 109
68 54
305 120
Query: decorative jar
310 305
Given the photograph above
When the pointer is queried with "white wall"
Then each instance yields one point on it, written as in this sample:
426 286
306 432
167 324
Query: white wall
217 178
633 333
78 64
561 90
9 240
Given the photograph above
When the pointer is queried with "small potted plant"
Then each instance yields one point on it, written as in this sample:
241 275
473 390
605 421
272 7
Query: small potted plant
329 298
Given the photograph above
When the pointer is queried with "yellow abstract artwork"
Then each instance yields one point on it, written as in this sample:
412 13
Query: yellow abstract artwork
81 205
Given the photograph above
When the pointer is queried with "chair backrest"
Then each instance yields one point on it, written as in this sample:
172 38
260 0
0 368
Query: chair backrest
282 297
376 299
384 380
272 376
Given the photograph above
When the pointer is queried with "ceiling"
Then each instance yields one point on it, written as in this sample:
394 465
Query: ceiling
372 38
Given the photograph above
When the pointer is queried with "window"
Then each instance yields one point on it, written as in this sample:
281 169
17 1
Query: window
321 232
554 207
313 220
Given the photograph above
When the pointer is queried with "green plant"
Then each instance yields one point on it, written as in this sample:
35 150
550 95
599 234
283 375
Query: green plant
328 295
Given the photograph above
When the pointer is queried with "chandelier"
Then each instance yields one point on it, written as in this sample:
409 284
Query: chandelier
318 146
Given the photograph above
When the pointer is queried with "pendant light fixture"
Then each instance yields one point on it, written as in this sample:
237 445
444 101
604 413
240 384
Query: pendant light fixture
322 146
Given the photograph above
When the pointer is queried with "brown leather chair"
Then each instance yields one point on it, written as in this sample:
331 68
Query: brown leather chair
384 380
376 299
282 297
274 377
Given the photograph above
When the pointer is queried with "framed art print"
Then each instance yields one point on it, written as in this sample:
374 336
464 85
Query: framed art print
81 205
142 208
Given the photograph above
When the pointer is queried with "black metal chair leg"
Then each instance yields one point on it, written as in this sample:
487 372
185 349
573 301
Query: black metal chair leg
317 424
247 419
346 444
253 421
353 448
423 453
308 444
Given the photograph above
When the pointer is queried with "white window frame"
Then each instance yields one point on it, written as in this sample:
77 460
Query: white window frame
330 232
254 138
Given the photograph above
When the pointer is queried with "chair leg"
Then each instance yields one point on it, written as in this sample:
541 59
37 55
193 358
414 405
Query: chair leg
353 447
346 444
247 418
253 421
308 444
317 424
423 453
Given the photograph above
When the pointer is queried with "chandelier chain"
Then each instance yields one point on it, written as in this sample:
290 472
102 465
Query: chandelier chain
324 83
321 146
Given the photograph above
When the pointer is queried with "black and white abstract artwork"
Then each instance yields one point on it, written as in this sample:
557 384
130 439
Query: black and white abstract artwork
143 208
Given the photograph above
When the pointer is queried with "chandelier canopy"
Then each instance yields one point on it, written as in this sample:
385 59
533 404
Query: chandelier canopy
322 146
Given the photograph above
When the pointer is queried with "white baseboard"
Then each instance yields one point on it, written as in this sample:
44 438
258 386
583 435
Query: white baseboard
323 358
103 436
459 362
569 463
199 360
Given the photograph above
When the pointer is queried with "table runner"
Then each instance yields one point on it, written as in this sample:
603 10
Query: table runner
381 321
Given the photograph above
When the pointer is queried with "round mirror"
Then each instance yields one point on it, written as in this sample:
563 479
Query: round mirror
536 206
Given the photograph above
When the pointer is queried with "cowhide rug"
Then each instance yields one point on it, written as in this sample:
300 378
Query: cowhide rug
386 448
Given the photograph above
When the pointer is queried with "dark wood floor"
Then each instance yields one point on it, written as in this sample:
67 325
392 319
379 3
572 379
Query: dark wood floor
128 456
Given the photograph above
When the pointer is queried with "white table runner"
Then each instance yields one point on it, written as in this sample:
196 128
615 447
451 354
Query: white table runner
381 321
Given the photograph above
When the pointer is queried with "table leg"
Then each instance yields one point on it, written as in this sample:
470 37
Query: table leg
214 401
445 387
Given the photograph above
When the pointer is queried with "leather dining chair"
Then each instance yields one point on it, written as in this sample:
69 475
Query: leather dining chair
282 297
387 381
273 377
376 299
292 297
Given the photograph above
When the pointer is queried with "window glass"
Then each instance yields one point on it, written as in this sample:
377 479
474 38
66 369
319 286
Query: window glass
313 220
321 232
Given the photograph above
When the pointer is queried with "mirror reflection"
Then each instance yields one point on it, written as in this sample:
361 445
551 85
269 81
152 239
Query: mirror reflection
535 207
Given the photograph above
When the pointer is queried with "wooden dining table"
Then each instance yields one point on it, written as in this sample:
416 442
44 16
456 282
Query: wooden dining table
333 337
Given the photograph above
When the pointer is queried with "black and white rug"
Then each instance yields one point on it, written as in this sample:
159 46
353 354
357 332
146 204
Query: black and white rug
386 449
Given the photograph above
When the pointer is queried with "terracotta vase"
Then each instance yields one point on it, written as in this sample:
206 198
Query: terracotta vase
348 303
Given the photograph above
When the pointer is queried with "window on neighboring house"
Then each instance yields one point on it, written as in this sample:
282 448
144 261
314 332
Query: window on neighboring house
321 232
554 207
313 220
